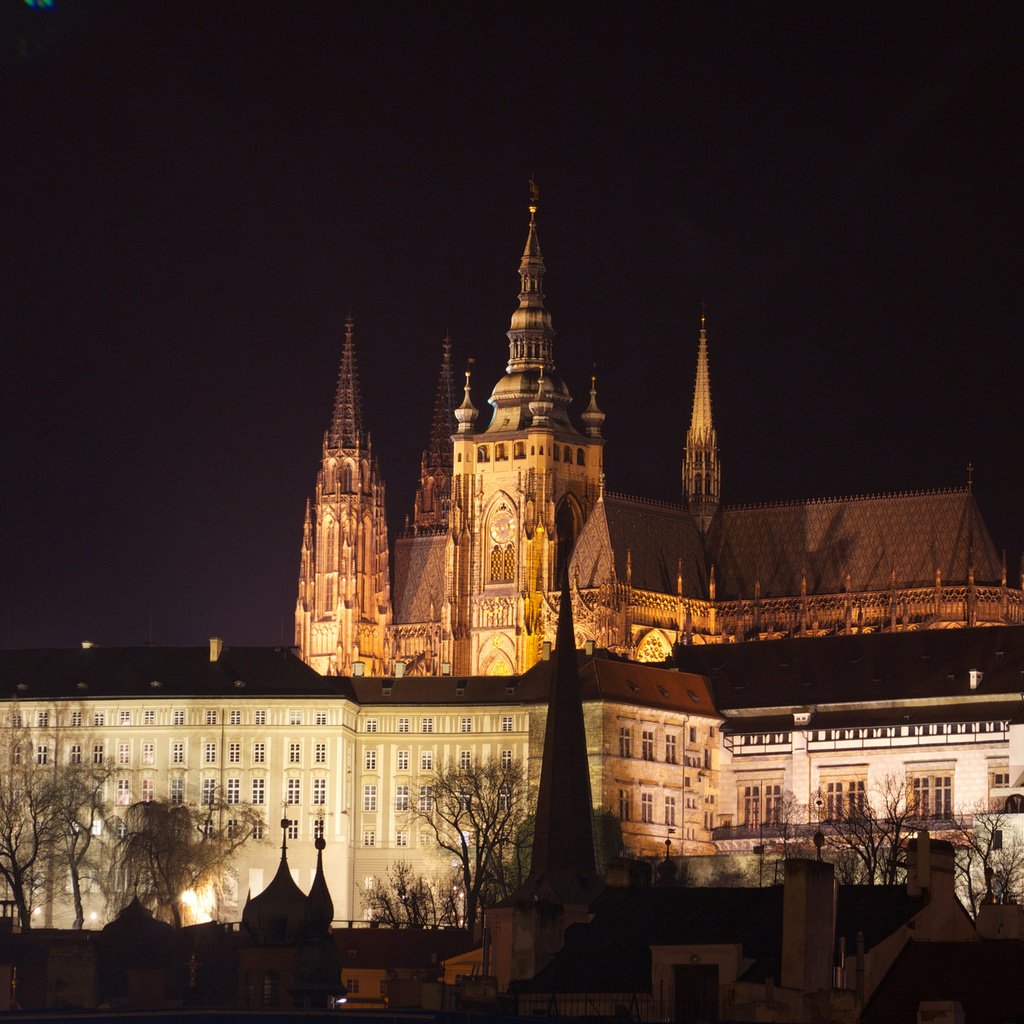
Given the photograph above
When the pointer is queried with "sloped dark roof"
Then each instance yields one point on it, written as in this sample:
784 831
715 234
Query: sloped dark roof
400 948
867 538
657 538
612 952
984 977
930 663
419 577
130 672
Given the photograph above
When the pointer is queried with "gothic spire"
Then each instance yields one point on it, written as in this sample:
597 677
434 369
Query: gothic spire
347 421
439 455
702 478
530 335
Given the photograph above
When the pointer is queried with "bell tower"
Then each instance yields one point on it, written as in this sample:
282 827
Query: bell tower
521 490
344 599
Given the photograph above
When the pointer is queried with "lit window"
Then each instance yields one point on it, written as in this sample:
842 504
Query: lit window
625 741
295 717
624 805
123 753
148 753
147 791
124 792
647 745
647 807
125 718
670 810
671 756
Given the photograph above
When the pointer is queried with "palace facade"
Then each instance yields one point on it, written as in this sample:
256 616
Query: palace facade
504 505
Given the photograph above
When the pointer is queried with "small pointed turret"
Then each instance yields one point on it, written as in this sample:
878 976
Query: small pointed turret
592 416
466 413
347 421
701 471
530 335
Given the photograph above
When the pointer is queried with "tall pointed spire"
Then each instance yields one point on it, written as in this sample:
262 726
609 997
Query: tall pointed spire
433 496
701 470
530 335
347 421
562 866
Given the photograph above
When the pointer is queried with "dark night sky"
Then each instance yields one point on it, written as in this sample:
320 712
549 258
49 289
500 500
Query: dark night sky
194 194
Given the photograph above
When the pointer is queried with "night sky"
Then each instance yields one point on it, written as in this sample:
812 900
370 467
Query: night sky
195 195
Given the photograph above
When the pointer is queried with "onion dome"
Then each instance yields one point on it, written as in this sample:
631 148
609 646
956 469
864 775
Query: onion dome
319 905
592 416
466 413
277 915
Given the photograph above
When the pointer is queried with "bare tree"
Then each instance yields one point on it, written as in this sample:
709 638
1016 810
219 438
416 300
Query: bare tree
866 833
165 851
28 822
79 807
403 899
989 857
475 814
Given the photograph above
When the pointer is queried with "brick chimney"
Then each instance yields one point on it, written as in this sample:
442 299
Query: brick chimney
808 925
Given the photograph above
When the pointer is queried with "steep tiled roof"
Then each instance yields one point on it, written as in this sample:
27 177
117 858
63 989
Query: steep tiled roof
867 538
657 538
419 577
142 672
925 664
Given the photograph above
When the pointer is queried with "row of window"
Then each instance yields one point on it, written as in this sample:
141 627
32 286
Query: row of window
647 743
881 732
147 755
211 716
561 453
647 807
232 791
427 760
426 724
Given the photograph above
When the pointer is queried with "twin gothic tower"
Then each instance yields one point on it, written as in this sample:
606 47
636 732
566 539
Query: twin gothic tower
503 509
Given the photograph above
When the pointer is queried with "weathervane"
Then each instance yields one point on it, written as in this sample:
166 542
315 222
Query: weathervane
534 195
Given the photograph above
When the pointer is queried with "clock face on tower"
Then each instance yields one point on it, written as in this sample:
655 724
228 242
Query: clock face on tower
502 527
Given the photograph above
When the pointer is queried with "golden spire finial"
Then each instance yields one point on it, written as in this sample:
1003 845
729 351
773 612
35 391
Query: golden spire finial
970 478
534 196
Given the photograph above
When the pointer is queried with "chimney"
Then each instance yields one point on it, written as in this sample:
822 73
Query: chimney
216 646
808 925
359 668
588 648
399 669
929 867
545 651
975 675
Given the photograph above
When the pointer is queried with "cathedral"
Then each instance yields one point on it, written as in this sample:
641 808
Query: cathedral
504 508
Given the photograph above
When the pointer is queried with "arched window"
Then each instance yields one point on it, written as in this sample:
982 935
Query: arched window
499 453
481 454
579 456
346 478
519 450
567 454
503 563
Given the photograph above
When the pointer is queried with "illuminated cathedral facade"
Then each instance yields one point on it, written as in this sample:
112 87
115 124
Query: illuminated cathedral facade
503 508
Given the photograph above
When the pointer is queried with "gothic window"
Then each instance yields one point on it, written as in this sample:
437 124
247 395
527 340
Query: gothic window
500 453
579 457
567 454
346 478
481 454
503 550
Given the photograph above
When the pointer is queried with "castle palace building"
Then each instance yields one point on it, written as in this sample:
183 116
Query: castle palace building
503 507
